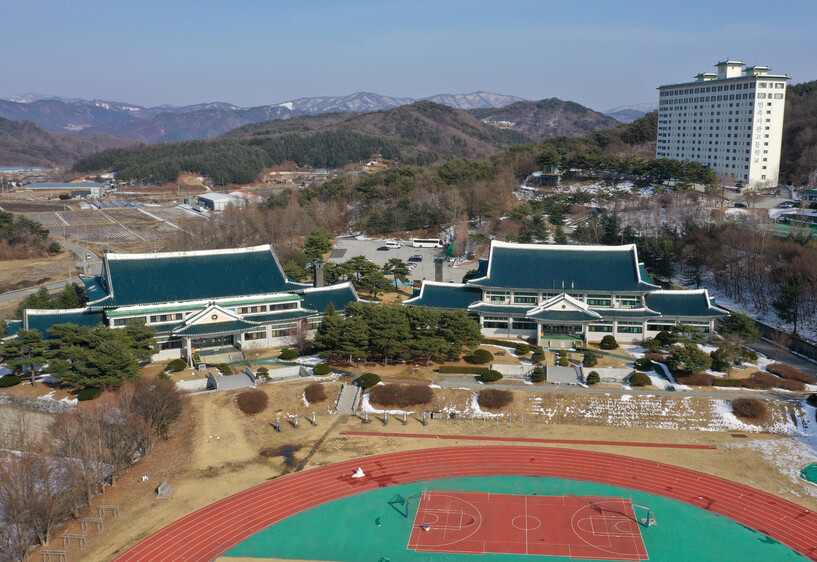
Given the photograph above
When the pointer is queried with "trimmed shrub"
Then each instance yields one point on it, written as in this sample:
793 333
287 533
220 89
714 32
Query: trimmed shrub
322 369
538 356
608 342
289 354
643 364
666 338
262 371
564 362
537 348
315 392
176 365
652 345
750 408
812 400
225 369
593 378
522 349
463 370
164 376
719 361
479 357
700 379
401 395
367 380
748 354
590 359
727 382
252 402
639 379
788 372
539 375
10 380
491 376
502 343
89 393
562 353
494 399
769 380
656 357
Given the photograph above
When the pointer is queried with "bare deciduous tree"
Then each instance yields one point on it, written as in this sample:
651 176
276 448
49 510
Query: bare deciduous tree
299 334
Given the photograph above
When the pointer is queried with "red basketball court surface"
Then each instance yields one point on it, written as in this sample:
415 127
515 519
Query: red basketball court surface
576 526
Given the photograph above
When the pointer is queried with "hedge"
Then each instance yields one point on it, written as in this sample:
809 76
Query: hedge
727 382
89 393
522 349
640 379
401 395
315 392
176 365
764 381
564 362
751 408
593 378
479 357
538 356
491 376
225 369
463 370
367 380
700 379
538 375
501 343
252 401
608 342
494 399
9 380
287 354
322 369
789 372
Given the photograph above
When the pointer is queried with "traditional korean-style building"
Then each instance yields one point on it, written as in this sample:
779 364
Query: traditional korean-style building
562 295
210 299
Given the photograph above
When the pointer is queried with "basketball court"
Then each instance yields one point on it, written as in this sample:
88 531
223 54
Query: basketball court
579 527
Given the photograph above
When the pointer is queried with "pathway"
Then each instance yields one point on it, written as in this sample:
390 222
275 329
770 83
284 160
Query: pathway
348 400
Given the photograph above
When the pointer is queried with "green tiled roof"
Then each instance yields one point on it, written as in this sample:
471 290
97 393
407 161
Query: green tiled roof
319 299
579 268
565 315
626 312
445 295
150 279
487 308
43 322
94 288
683 303
283 316
644 275
13 326
215 328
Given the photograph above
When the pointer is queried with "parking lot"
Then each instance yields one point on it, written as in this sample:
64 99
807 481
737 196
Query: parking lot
346 248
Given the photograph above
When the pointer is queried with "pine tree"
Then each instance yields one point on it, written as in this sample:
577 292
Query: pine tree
787 304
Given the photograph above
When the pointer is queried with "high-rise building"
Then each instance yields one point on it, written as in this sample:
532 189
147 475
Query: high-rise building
731 121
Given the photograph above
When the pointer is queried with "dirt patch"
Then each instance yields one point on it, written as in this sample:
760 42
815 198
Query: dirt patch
19 274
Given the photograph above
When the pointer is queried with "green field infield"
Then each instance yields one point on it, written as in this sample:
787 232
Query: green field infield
347 530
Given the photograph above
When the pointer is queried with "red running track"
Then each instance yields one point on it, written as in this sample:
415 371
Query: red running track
212 530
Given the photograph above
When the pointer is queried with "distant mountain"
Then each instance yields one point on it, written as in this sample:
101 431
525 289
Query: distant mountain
629 113
202 121
548 118
25 144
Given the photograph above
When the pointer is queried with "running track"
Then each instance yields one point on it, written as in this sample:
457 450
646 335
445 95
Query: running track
212 530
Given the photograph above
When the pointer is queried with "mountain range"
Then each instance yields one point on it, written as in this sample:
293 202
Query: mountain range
629 113
167 123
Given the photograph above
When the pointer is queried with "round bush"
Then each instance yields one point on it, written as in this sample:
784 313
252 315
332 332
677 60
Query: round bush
480 357
643 364
590 359
315 392
225 369
522 349
9 380
494 399
750 408
593 378
608 342
367 380
652 345
262 371
564 362
89 393
538 356
491 376
748 354
538 375
562 353
639 379
665 338
719 361
288 354
176 365
401 395
252 401
811 400
322 369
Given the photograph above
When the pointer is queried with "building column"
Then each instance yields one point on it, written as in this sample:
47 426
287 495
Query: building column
188 352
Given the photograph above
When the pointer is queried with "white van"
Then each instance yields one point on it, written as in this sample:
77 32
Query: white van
394 245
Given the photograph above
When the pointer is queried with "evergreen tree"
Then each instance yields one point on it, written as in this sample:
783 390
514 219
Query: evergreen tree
318 243
788 302
26 353
398 269
742 325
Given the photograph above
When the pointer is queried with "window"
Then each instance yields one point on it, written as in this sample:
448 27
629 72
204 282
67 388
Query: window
778 96
659 327
494 324
524 325
629 330
600 328
599 302
165 317
251 336
525 298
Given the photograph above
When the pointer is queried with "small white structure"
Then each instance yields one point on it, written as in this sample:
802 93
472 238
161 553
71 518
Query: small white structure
215 201
359 473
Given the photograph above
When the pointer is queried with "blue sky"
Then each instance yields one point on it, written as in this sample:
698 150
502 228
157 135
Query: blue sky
600 54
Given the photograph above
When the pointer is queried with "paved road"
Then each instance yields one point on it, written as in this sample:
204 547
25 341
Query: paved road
94 266
783 355
471 383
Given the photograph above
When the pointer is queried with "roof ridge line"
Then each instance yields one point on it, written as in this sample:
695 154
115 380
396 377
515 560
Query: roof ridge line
189 253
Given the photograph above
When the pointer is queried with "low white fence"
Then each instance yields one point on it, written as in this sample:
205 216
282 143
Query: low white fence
195 385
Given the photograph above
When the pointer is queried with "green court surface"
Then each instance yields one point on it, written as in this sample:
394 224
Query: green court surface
348 530
810 473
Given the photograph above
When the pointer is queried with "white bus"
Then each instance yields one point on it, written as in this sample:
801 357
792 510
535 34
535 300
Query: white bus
427 243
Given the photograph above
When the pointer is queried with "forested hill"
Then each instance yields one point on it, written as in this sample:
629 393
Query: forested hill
548 118
799 151
422 133
25 144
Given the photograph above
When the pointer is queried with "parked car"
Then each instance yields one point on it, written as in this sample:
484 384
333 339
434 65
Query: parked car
416 258
411 265
382 248
740 205
787 205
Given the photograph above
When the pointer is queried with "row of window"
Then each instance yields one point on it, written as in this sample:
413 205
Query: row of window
721 88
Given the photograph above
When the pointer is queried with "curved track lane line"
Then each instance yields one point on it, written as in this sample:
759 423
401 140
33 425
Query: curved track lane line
211 531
